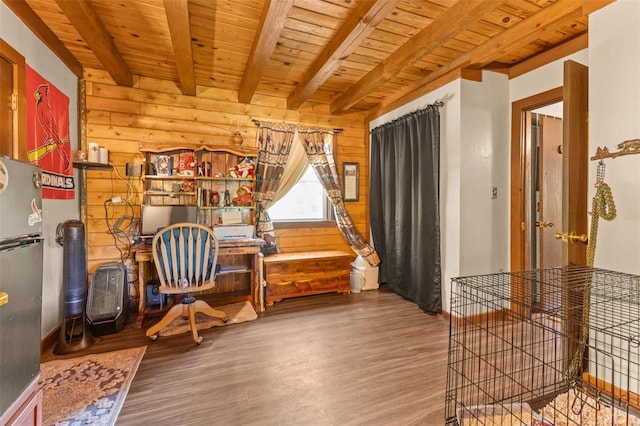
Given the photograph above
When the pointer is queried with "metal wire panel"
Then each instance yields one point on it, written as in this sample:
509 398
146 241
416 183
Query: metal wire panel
509 356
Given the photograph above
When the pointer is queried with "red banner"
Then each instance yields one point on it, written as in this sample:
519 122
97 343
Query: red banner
48 142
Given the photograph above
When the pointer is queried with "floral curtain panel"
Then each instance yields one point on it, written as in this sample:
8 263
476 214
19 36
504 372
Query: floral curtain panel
274 144
318 145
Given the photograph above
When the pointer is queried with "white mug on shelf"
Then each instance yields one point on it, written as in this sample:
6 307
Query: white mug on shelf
94 152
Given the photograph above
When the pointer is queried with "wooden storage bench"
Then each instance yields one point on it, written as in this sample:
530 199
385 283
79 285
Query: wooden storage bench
305 273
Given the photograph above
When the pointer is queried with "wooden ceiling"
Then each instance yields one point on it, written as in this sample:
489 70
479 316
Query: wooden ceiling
351 55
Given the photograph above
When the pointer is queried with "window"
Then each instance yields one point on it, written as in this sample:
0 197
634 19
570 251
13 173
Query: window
305 202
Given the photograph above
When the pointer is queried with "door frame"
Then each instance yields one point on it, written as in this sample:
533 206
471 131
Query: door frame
520 221
20 88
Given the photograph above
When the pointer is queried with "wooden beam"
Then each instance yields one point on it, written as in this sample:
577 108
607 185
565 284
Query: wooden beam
37 26
547 21
590 6
180 29
84 18
382 109
274 16
451 23
360 23
560 51
559 12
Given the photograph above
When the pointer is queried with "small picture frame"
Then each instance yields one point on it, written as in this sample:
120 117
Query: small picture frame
350 181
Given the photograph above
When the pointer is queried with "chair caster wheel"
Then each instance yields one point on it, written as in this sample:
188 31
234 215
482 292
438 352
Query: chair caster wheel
199 340
154 337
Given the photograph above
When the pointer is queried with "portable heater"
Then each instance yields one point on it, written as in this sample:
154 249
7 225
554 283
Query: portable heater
108 296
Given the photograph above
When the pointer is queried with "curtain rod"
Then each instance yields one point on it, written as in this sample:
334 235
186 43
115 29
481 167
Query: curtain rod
337 131
437 104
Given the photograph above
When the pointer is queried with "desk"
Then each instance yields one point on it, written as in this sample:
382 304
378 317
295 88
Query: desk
238 280
305 273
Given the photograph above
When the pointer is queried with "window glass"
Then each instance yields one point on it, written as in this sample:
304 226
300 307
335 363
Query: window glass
305 201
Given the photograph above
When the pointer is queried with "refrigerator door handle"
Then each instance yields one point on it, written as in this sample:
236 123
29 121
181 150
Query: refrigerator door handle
4 298
20 243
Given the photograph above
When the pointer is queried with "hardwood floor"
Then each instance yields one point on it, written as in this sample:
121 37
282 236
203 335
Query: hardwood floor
371 358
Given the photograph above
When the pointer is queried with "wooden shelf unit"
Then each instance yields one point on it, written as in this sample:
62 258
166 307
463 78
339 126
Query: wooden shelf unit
238 259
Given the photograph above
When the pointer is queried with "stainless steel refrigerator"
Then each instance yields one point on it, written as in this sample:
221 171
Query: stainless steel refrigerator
21 245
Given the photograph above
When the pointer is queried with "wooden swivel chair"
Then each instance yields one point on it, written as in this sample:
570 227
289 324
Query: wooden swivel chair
185 256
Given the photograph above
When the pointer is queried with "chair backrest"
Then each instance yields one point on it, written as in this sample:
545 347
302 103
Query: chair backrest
185 255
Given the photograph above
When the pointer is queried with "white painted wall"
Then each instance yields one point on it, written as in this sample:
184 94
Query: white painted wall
545 78
42 60
484 222
614 116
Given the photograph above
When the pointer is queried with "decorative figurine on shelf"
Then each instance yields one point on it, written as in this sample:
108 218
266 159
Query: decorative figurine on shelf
187 186
214 198
244 197
245 169
186 164
227 198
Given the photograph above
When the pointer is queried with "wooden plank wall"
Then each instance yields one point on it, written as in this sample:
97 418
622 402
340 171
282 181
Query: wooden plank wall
118 117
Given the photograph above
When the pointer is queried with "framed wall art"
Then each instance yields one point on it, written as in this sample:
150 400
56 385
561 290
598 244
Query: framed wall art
350 180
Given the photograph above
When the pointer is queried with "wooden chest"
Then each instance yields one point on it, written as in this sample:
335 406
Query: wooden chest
306 273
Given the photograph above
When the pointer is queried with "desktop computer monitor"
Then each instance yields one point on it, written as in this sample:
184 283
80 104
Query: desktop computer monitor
154 218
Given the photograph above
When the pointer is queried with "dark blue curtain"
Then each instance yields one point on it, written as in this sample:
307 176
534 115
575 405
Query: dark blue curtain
404 205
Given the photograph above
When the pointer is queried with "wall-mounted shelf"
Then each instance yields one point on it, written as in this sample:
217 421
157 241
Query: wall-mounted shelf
86 165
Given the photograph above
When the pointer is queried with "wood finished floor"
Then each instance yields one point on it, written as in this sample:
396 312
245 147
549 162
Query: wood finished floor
371 358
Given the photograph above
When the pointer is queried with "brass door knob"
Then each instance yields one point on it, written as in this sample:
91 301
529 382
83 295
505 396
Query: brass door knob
543 224
4 298
571 237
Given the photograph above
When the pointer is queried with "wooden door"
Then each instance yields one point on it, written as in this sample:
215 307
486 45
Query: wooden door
550 191
6 110
576 159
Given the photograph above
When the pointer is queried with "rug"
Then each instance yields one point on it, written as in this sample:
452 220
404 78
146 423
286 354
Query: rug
237 312
87 390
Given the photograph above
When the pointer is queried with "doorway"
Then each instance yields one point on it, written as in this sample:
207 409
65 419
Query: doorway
13 103
549 165
572 205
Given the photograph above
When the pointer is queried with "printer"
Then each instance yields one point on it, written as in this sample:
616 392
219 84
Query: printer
233 232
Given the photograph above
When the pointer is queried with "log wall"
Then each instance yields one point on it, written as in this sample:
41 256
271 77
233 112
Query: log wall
155 110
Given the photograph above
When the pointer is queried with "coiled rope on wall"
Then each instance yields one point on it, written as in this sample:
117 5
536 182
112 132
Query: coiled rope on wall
602 206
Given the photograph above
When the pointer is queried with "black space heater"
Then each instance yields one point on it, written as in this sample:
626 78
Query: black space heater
108 299
73 335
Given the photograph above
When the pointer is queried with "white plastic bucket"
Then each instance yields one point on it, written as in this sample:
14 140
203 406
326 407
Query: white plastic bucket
368 273
357 280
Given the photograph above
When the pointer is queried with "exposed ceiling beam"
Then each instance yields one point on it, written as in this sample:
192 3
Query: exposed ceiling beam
546 19
566 10
567 48
84 18
274 16
360 23
180 29
42 31
381 109
448 25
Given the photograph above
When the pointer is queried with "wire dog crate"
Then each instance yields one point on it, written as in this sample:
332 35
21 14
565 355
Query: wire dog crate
549 347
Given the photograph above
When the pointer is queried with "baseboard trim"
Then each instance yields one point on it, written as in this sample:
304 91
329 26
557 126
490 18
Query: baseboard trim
49 340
